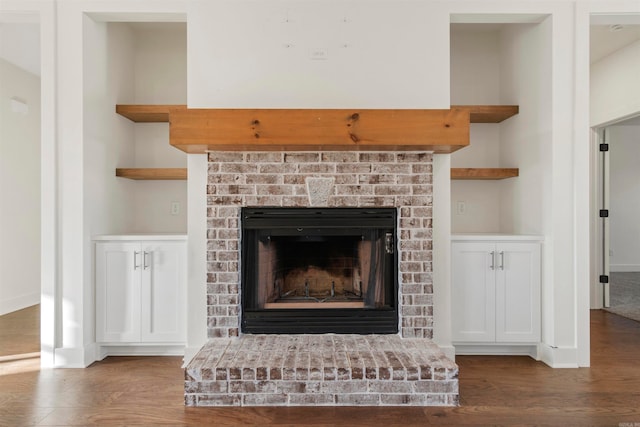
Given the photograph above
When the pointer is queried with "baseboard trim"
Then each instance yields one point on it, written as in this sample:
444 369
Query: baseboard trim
558 357
81 357
75 357
140 350
101 352
18 303
530 350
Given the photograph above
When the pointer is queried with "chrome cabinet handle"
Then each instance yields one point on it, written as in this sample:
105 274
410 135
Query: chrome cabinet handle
144 260
501 260
493 260
135 260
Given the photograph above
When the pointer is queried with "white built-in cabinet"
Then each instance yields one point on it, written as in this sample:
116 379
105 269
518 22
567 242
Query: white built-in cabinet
495 293
140 293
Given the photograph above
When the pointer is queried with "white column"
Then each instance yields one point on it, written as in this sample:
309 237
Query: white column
442 253
196 255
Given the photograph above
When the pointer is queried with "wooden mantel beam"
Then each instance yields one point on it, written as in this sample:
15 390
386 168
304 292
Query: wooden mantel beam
201 130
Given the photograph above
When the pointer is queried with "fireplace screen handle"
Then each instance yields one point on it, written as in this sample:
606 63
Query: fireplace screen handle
389 242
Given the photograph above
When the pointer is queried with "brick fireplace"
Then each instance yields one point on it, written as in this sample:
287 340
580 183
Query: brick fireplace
383 370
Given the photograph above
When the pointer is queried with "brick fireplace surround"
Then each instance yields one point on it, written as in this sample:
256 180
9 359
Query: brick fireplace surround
280 370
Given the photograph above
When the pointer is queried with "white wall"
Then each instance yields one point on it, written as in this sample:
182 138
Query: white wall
615 85
160 63
475 64
107 59
527 144
160 77
21 45
475 79
624 188
108 138
525 138
19 189
378 54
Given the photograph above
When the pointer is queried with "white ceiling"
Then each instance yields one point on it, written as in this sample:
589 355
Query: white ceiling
604 41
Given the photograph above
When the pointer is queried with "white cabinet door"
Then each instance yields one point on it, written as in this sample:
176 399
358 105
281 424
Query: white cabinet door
140 292
118 292
495 292
473 292
518 292
163 292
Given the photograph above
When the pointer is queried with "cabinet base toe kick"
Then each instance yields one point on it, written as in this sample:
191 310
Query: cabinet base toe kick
475 349
119 349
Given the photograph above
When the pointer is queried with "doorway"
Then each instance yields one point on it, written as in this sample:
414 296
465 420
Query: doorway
614 61
20 184
42 15
620 197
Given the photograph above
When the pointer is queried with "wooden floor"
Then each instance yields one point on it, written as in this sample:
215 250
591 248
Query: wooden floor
494 390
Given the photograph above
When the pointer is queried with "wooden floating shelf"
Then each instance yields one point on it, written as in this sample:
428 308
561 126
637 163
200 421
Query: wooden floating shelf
489 113
483 173
152 173
147 113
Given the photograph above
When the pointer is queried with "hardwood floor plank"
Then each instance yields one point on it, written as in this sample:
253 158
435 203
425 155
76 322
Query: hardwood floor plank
11 416
530 416
494 390
20 332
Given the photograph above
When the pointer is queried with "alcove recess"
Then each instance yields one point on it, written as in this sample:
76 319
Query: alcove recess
486 114
450 128
150 114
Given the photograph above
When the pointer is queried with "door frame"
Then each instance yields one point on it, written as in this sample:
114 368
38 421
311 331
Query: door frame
43 12
599 226
600 236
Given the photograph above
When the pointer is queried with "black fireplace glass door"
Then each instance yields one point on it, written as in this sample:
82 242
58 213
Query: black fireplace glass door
320 271
310 270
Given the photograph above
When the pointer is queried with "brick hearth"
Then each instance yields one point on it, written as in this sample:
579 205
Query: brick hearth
235 369
330 369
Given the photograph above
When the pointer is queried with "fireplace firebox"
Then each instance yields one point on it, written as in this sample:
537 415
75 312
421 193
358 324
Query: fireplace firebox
319 270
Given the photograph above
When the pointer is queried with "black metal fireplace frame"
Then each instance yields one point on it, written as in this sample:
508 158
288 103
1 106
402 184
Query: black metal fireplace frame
337 221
